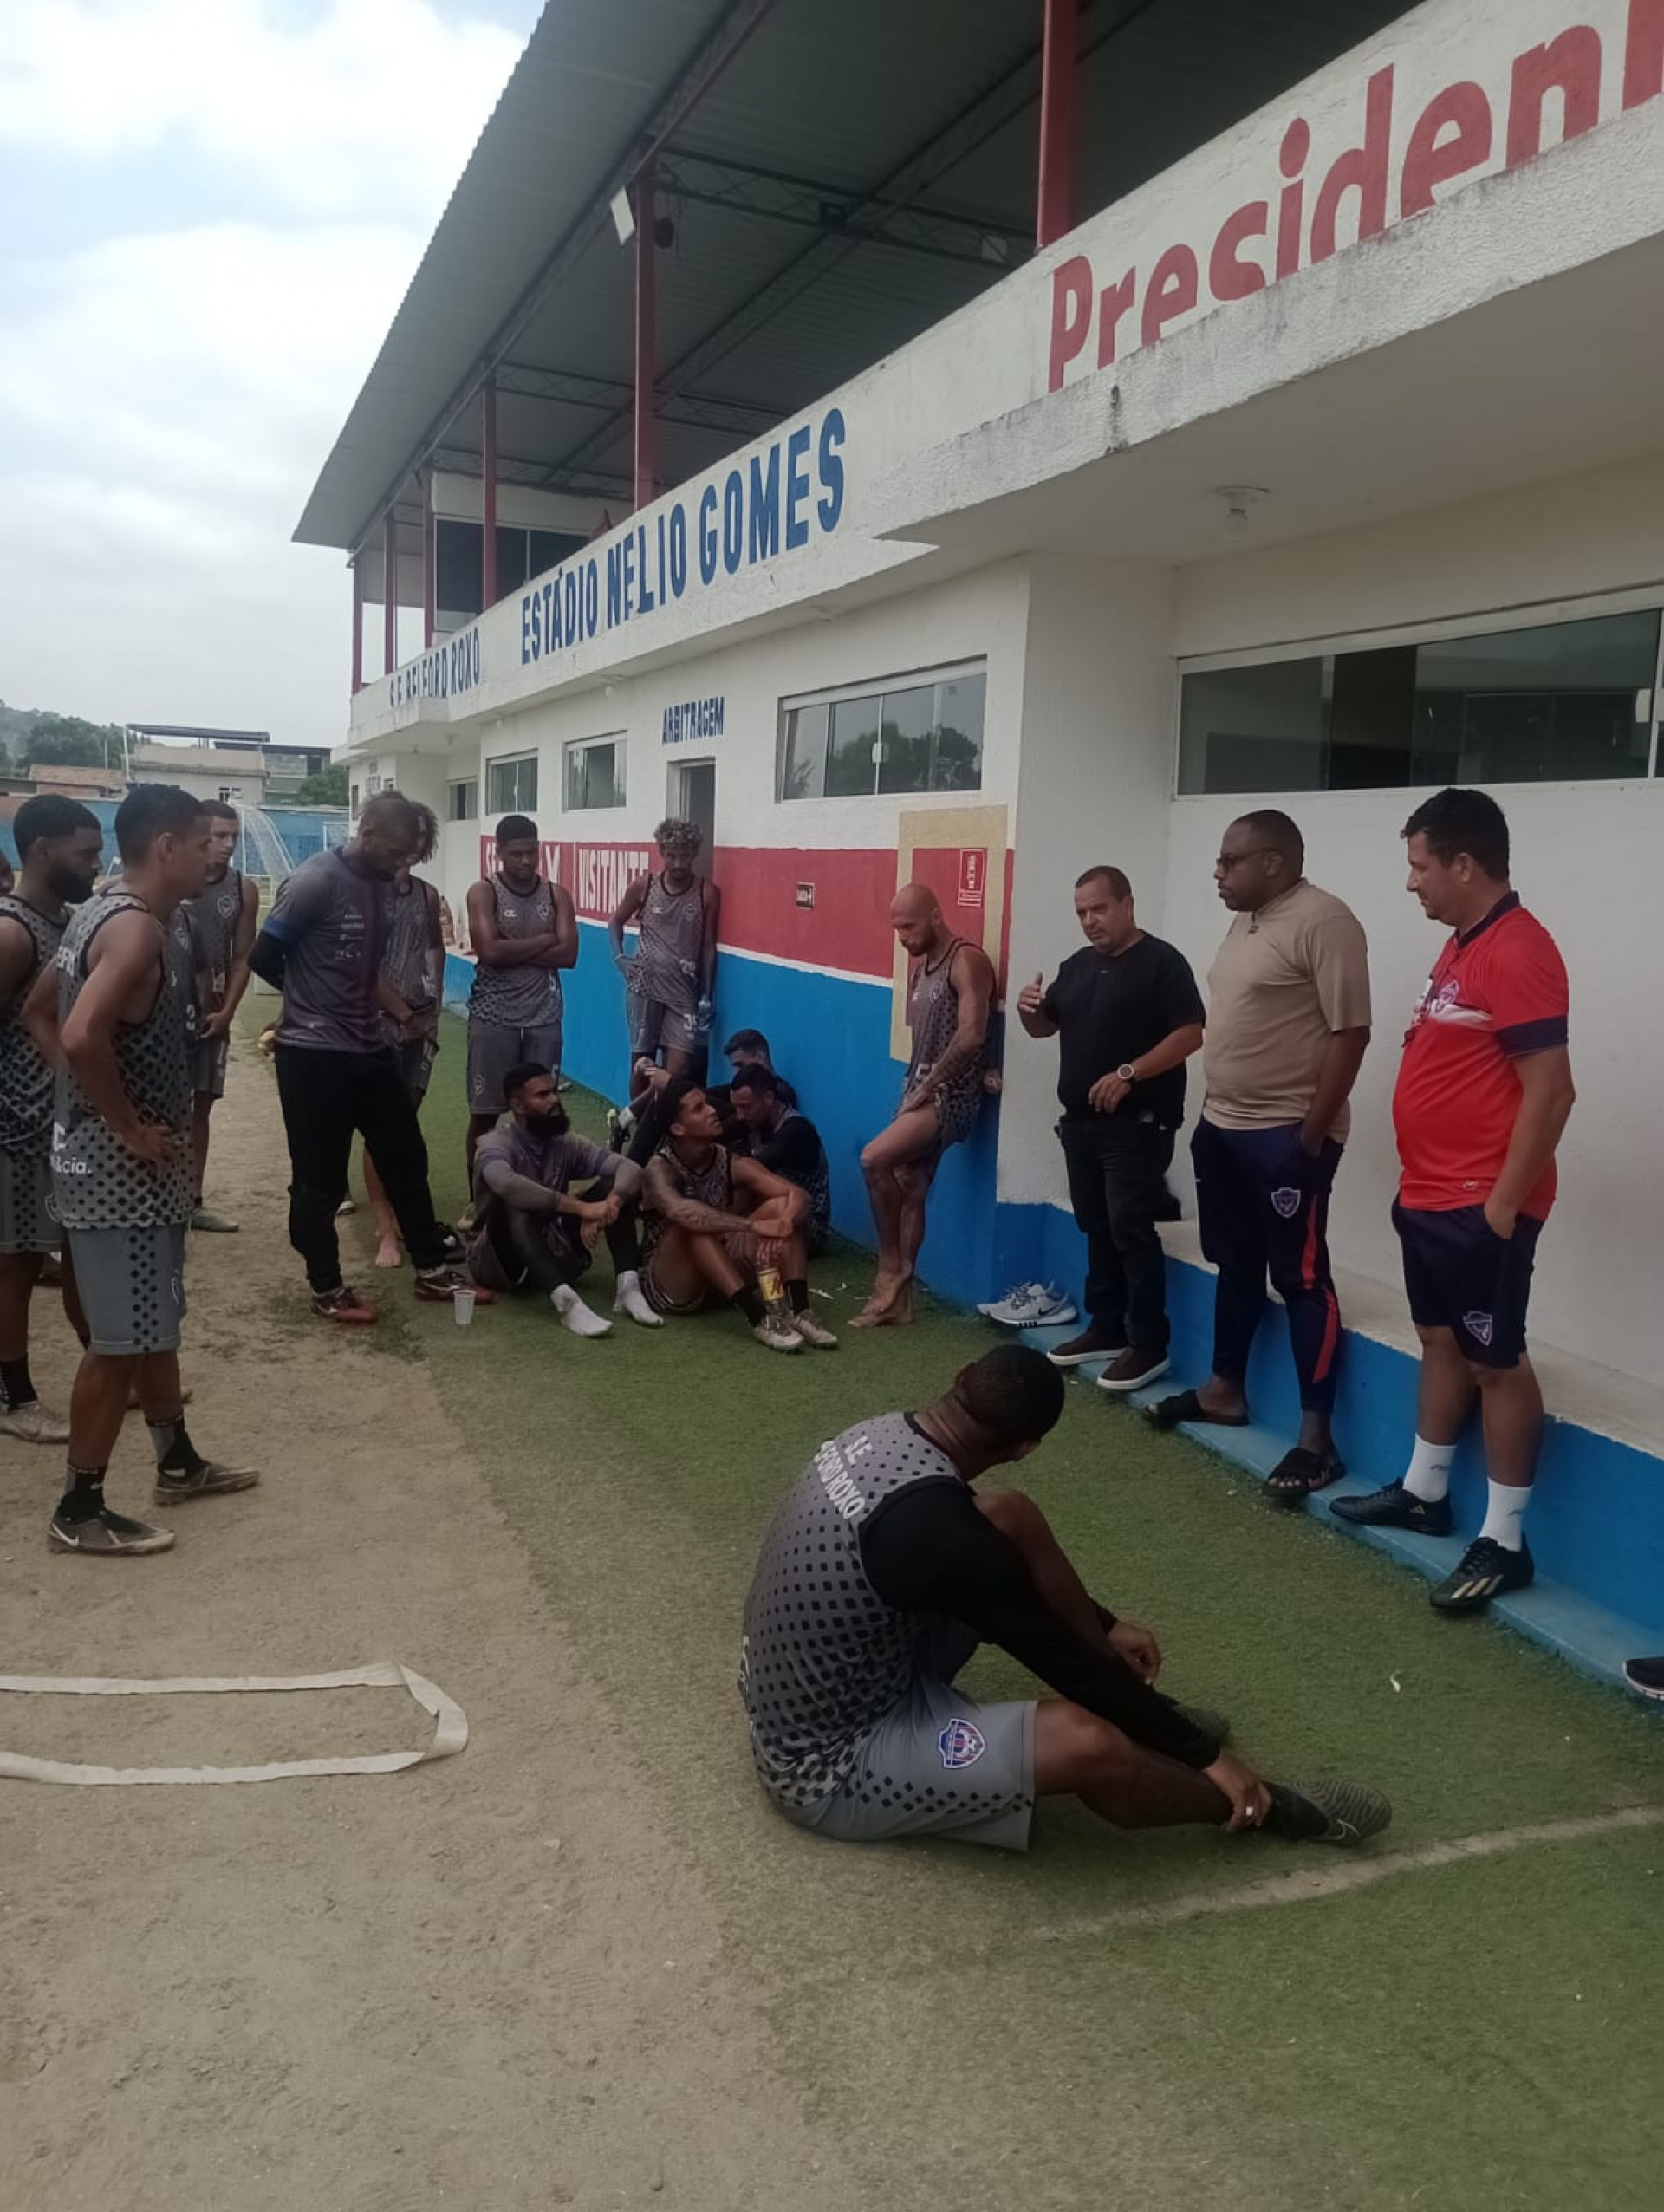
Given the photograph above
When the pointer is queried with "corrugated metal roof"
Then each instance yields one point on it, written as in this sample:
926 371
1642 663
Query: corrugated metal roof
764 302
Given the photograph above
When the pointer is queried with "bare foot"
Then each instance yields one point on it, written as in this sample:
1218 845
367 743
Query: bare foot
387 1253
897 1313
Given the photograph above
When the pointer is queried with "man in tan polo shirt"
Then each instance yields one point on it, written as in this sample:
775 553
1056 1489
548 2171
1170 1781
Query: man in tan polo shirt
1288 1025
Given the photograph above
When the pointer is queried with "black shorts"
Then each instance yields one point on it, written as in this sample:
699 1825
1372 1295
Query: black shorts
1460 1275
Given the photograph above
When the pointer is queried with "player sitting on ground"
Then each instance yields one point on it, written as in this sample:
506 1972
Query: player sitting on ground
785 1141
717 1223
880 1573
530 1232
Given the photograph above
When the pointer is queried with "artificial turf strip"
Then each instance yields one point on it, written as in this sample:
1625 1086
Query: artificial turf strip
1478 2035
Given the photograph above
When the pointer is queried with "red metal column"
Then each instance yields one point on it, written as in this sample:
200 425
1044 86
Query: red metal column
646 426
428 578
389 594
488 476
1055 203
358 625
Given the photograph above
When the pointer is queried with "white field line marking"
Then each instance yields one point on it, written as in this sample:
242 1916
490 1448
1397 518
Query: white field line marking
1346 1874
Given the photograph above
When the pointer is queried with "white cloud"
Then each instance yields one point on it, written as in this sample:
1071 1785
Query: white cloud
367 104
166 398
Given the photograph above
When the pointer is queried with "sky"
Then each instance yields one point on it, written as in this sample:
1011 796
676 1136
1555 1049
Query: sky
214 209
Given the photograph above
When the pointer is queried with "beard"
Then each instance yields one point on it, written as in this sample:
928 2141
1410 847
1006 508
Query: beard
71 889
554 1123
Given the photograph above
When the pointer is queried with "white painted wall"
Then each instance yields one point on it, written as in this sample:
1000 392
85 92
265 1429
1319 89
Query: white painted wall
965 411
1097 749
978 617
1585 860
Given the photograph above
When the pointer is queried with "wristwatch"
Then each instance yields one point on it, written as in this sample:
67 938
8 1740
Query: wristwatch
1129 1073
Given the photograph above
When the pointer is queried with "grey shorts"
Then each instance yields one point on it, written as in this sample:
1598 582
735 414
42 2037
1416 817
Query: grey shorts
653 1024
661 1299
492 1052
28 1221
131 1286
208 1079
939 1763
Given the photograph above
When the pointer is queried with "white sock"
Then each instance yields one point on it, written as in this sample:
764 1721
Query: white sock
1427 1476
632 1300
575 1315
1504 1514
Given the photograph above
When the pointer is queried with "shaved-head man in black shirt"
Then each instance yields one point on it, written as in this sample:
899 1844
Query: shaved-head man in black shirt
1127 1011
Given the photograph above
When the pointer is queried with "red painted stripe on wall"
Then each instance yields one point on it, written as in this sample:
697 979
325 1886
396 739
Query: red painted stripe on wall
826 908
847 923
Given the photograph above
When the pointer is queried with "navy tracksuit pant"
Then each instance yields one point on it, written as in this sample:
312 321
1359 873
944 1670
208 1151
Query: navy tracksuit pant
1261 1202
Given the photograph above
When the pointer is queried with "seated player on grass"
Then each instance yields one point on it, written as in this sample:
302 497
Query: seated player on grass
883 1569
530 1232
784 1141
717 1221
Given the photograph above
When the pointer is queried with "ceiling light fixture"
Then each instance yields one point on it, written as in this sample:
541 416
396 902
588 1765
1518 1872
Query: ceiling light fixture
1239 499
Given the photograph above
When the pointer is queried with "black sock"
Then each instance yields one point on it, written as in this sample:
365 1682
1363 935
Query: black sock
16 1387
750 1303
175 1453
83 1493
797 1292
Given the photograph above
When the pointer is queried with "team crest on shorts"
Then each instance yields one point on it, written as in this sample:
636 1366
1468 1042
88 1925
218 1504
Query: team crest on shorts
961 1744
1286 1203
1479 1326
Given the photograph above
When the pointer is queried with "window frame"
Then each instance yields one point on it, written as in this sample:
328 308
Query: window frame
517 805
877 687
571 747
455 784
1490 621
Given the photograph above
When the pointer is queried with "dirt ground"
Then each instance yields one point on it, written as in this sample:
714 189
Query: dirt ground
492 1981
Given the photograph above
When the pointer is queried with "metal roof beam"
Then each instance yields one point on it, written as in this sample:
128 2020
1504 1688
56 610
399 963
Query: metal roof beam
981 119
688 87
607 393
708 181
534 476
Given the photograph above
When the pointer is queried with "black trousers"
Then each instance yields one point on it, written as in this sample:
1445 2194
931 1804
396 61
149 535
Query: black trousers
326 1096
1118 1189
537 1248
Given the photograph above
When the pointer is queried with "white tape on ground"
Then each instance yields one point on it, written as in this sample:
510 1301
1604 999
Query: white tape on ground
1343 1874
450 1730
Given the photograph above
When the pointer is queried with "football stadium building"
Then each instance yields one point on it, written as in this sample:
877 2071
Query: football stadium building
966 444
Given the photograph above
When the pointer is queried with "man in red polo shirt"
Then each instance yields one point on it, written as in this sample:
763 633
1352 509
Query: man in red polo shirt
1483 1091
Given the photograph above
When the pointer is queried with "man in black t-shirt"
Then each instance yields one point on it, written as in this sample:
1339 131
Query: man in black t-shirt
1127 1011
784 1141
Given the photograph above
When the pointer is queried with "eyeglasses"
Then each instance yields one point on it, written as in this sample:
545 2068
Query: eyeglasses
1226 861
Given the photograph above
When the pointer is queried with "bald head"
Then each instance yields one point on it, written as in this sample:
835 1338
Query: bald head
1261 856
916 918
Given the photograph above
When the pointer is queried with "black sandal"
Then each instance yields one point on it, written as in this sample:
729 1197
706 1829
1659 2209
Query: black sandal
1299 1471
1185 1405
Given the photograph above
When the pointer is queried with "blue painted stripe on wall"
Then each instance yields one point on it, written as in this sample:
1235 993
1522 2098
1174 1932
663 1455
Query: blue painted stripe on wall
1598 1519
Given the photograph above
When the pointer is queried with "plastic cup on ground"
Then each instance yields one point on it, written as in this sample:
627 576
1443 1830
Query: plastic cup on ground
463 1306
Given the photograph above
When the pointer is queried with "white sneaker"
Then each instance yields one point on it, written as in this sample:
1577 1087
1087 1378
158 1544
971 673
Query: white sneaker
632 1300
33 1424
777 1335
575 1315
1030 1306
812 1332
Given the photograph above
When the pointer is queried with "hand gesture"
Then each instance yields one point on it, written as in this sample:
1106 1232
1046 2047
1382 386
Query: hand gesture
1250 1798
1137 1645
150 1142
1107 1094
1031 998
212 1027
